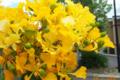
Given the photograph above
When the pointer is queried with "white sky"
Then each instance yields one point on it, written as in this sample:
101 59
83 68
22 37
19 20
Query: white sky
13 3
110 14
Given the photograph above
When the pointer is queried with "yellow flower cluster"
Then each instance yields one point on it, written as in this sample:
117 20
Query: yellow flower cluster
38 39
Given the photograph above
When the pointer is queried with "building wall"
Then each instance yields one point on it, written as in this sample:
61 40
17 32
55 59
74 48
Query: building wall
111 33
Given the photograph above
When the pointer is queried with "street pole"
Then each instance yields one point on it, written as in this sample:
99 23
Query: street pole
116 36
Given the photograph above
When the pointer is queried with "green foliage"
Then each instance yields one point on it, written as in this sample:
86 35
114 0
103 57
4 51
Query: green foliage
93 60
61 0
1 73
42 73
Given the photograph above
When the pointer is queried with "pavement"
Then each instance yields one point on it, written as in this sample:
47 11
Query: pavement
94 76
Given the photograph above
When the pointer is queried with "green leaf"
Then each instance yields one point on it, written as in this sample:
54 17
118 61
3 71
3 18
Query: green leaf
29 33
42 72
71 79
103 34
100 44
86 42
44 66
28 45
1 73
10 66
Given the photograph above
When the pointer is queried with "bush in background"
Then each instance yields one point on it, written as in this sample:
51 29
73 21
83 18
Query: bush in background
93 60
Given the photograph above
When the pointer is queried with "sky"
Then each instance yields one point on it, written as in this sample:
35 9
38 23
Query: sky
13 3
111 13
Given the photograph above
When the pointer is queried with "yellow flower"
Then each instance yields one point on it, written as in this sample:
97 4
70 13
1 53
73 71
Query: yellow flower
64 76
66 59
16 28
58 13
48 59
91 47
3 23
8 75
43 12
11 39
94 34
37 10
108 42
46 2
80 73
21 61
68 21
2 60
4 26
26 77
31 53
7 51
50 2
69 2
50 76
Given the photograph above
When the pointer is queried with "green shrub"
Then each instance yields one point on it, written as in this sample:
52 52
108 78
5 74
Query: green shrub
93 60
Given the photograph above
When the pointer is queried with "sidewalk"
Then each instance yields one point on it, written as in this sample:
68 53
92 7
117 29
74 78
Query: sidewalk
95 76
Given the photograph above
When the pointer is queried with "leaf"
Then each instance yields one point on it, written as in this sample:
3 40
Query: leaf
29 33
42 72
10 66
28 45
1 73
